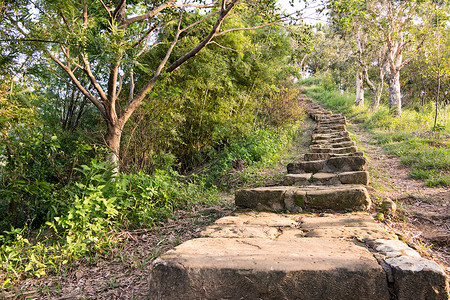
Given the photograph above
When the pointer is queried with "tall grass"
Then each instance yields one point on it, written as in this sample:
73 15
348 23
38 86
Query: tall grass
413 137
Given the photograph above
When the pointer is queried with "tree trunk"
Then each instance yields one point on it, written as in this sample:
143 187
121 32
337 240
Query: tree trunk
376 96
395 96
359 100
112 138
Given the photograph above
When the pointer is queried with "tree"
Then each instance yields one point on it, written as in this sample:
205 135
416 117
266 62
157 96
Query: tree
401 26
107 40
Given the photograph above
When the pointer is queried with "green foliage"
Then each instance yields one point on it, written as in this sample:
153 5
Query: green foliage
98 205
263 147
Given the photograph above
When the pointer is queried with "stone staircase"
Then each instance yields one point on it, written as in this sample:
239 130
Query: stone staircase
289 245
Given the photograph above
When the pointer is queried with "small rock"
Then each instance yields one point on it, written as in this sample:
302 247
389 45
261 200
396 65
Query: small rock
389 207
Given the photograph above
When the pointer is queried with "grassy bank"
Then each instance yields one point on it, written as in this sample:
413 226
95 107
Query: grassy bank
420 145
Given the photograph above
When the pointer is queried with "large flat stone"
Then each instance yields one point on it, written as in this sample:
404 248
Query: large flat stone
331 165
346 163
357 177
337 220
352 197
297 179
325 179
334 150
307 268
264 198
260 219
240 231
343 197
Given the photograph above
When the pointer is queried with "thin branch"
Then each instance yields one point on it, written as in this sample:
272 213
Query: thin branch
137 100
85 16
150 30
106 8
30 40
224 47
87 70
72 76
257 27
172 46
150 14
199 21
196 5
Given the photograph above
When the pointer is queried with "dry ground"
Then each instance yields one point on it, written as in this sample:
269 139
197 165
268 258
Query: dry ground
423 213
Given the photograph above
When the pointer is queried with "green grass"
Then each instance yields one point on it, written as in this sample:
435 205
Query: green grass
412 138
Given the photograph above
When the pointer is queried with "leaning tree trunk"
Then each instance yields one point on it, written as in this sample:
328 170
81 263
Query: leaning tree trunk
359 100
395 96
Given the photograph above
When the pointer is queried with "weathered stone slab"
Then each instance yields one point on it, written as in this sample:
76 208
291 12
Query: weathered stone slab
259 219
337 220
323 156
327 131
352 197
331 165
346 163
308 268
333 141
343 144
334 150
297 179
357 177
323 136
240 231
343 197
321 126
264 198
418 278
325 178
393 248
362 234
316 156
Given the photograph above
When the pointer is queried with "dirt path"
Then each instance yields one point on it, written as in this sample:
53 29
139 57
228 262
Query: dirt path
424 212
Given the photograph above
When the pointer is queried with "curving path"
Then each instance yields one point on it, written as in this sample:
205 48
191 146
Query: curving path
309 239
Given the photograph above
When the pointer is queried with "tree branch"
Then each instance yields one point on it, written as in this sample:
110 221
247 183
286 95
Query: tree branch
87 70
106 8
150 14
72 76
137 100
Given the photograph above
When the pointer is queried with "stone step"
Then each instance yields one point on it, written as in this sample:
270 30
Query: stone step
327 131
331 140
322 156
331 120
329 136
358 177
252 268
331 165
321 127
344 150
333 145
281 198
258 255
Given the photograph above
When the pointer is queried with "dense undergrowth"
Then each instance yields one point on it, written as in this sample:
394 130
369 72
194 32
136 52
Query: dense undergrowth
414 138
84 218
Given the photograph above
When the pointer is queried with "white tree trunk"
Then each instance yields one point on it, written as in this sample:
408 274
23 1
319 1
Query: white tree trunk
359 100
395 96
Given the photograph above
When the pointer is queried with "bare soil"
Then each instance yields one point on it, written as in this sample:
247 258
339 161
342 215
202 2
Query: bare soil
423 217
